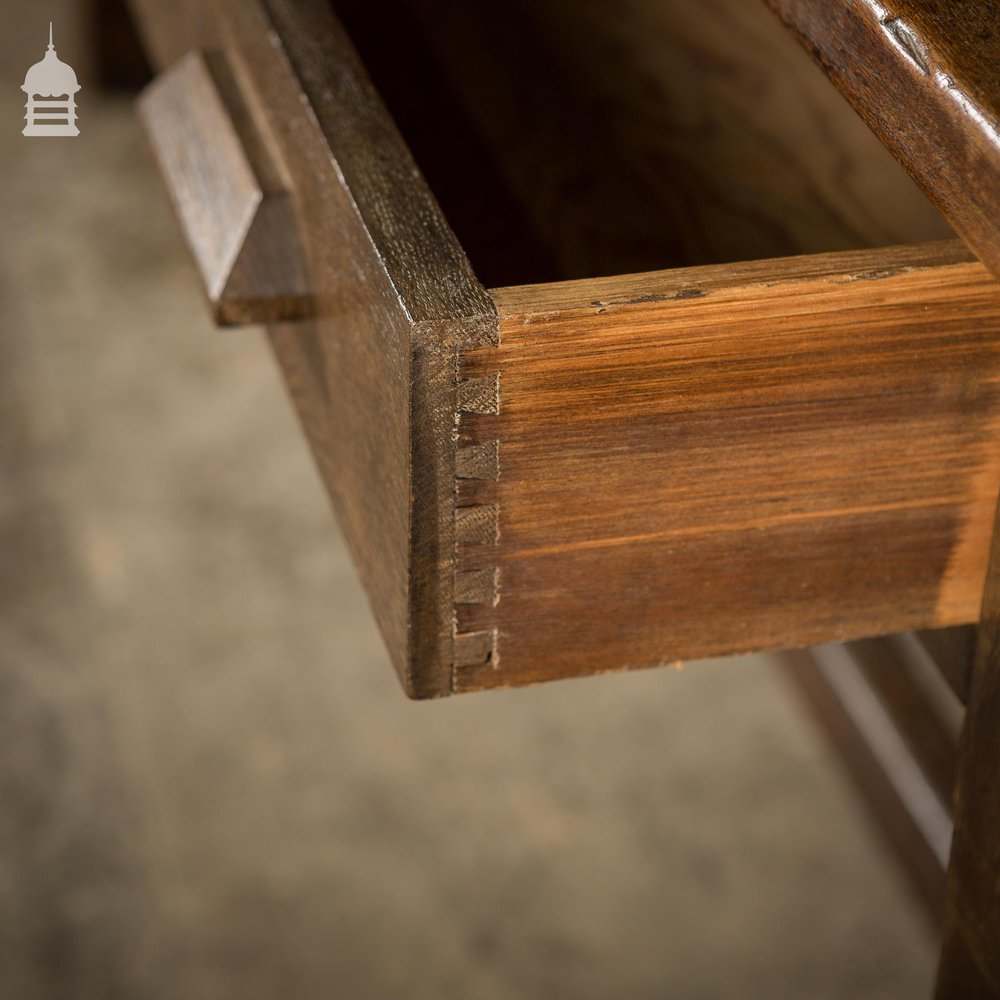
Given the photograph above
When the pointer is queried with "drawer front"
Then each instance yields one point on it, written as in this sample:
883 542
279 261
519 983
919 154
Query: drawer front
372 372
566 479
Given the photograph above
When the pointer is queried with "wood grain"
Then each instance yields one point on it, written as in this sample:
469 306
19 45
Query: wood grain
723 459
925 75
576 143
721 455
237 217
374 374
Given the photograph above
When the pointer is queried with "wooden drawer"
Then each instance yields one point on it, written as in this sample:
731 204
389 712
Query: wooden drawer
544 471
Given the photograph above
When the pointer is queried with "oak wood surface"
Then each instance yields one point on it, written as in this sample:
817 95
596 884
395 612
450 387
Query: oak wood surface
567 141
373 375
925 75
237 216
716 460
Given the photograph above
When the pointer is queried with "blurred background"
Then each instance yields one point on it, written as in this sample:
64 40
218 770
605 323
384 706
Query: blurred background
211 784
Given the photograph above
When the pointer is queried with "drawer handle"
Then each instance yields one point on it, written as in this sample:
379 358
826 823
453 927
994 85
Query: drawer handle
237 215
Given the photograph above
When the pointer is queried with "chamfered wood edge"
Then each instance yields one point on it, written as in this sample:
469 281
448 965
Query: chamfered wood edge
429 270
237 221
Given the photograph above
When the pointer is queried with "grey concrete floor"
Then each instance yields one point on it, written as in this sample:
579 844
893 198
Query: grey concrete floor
210 783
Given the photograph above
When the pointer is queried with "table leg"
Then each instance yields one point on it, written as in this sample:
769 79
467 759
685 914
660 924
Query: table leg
970 959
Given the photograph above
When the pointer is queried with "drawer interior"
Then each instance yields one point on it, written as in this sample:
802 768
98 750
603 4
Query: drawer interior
566 142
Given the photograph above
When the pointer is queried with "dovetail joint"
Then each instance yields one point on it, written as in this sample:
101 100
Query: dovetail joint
479 525
479 461
476 649
477 533
479 395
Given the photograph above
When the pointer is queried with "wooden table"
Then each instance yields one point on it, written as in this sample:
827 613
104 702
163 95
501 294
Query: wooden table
675 361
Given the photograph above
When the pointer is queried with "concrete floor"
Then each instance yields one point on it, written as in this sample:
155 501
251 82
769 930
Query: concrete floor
210 783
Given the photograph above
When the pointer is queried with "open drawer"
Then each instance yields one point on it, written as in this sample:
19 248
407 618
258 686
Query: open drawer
563 433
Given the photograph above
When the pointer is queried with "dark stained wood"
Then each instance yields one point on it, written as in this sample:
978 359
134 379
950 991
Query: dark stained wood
715 460
237 216
970 959
389 335
885 744
374 374
565 141
119 60
925 75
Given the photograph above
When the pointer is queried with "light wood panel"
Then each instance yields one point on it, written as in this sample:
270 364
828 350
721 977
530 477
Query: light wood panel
717 460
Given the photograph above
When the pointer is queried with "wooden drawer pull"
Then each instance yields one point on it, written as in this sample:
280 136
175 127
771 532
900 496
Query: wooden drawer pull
237 217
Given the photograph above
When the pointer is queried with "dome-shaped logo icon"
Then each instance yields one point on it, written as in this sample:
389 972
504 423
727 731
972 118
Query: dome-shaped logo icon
51 88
